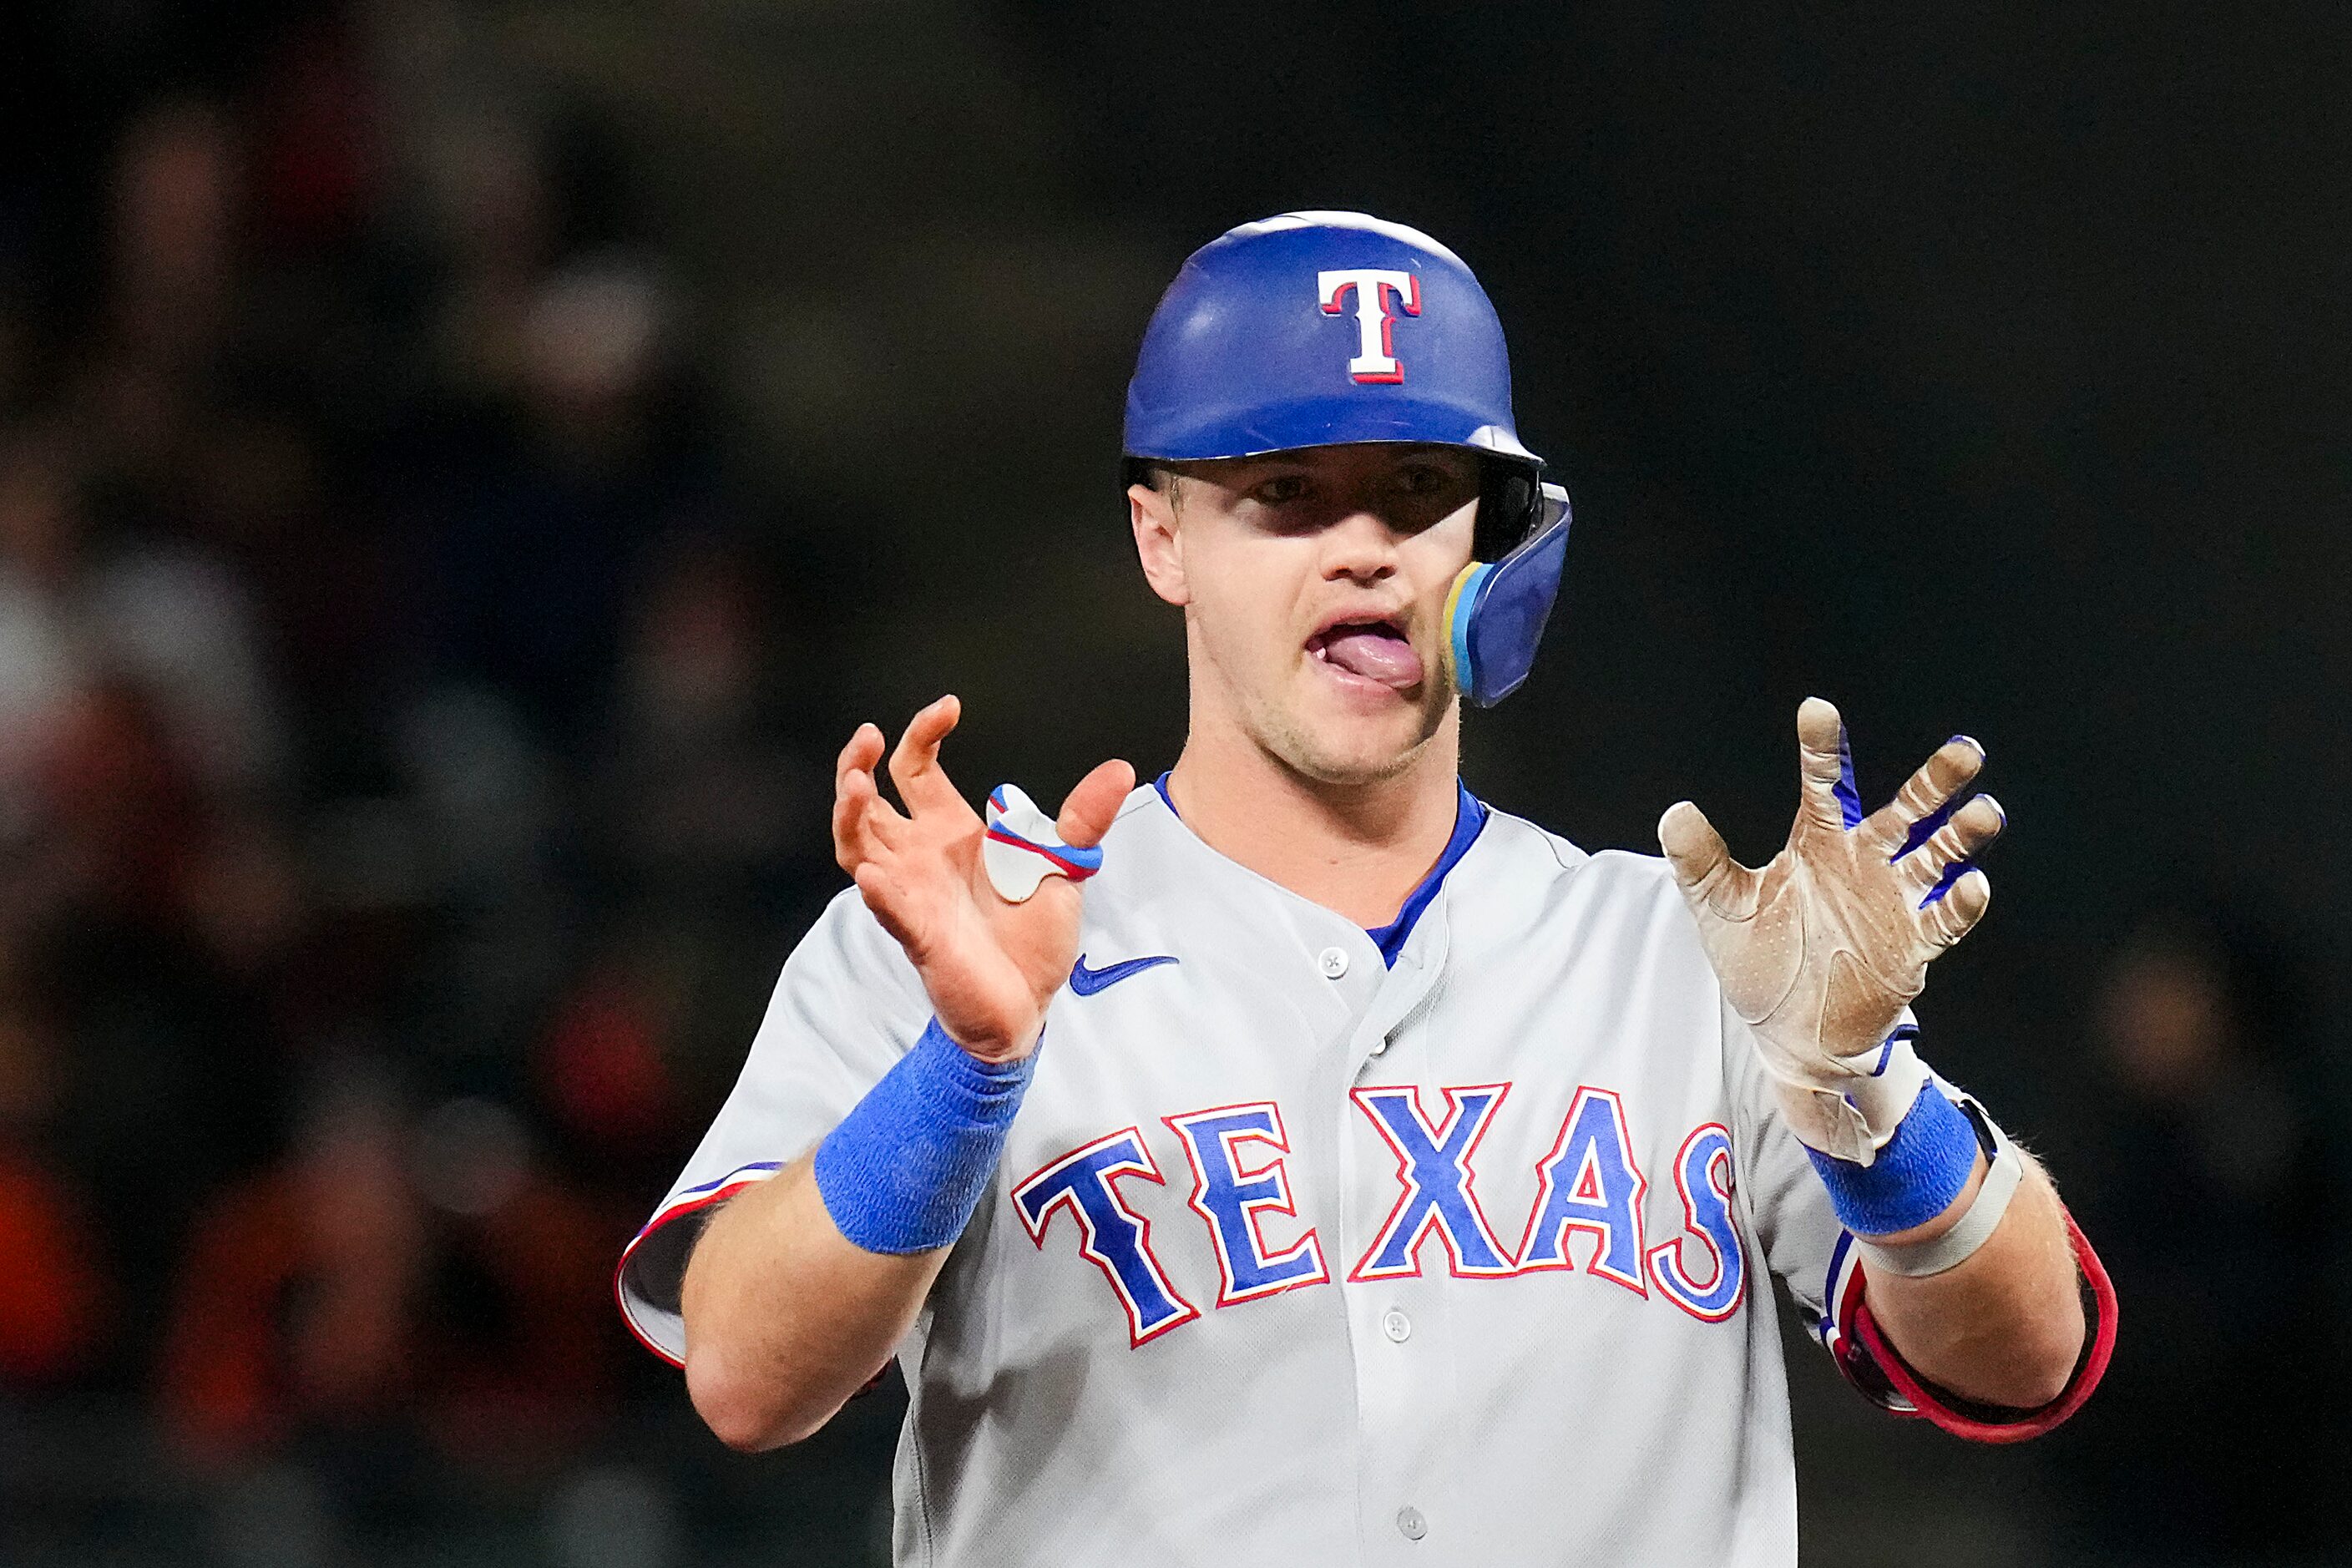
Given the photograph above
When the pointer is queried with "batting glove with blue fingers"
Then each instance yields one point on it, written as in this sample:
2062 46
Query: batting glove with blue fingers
1821 949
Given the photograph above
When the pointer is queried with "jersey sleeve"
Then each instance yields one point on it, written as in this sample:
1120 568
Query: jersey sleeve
1788 1209
847 1007
1813 1253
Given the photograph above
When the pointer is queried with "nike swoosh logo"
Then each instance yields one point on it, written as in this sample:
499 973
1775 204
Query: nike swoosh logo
1086 982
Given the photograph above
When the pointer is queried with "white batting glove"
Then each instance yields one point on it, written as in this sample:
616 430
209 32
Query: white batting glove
1821 949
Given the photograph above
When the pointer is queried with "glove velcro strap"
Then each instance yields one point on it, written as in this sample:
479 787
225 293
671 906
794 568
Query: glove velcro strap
1918 1260
906 1166
1915 1176
1849 1107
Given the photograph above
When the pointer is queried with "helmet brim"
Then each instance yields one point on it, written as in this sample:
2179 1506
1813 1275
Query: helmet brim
1338 421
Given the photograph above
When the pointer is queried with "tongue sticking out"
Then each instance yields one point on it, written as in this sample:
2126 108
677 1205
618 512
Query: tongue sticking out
1376 654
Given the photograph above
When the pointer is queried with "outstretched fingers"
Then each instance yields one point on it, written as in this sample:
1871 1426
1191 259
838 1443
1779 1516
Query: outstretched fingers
1927 798
1947 852
863 823
1088 808
1702 864
915 768
1950 918
1825 768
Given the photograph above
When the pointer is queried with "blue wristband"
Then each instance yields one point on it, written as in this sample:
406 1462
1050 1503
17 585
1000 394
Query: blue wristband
1916 1175
906 1166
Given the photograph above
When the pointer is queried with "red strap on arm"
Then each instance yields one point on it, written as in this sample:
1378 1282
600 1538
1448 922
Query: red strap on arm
2027 1424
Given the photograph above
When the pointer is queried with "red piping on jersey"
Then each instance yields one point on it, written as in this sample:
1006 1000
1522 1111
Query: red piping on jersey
2029 1423
659 1221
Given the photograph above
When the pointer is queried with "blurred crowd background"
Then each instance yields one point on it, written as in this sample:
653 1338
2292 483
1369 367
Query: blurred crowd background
464 467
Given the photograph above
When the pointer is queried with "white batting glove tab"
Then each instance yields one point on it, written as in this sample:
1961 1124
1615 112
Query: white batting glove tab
1821 949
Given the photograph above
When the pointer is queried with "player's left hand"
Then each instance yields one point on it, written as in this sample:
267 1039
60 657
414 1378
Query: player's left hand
1821 949
990 965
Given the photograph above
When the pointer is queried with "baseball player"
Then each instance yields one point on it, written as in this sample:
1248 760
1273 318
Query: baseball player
1295 1160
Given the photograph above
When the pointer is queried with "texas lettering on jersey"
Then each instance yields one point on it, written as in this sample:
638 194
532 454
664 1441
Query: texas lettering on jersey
1285 1187
1589 1197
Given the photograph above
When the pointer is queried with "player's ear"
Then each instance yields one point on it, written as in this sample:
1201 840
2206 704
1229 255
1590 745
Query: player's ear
1153 515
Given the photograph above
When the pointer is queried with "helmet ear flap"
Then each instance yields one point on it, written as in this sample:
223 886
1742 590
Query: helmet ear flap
1510 505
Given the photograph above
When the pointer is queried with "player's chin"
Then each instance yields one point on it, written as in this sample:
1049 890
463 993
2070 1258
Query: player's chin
1363 736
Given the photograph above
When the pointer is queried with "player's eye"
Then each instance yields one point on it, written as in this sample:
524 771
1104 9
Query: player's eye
1426 479
1280 490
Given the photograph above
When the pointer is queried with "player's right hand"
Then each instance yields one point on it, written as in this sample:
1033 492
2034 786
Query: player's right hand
990 966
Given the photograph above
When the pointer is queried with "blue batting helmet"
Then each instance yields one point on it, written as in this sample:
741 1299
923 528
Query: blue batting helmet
1318 329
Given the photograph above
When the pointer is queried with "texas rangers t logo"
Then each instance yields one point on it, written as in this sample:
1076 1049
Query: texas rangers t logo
1377 290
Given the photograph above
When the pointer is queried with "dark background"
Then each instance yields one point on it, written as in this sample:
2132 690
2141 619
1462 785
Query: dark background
465 467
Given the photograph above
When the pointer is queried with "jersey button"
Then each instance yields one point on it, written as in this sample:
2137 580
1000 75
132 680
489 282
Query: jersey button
1333 962
1396 1325
1410 1524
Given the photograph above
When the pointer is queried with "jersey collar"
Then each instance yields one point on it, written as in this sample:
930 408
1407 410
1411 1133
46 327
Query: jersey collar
1469 817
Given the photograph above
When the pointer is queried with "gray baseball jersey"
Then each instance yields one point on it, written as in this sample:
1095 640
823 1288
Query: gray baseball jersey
1441 1244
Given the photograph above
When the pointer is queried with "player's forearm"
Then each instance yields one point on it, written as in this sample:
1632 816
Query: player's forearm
805 1291
785 1318
2004 1326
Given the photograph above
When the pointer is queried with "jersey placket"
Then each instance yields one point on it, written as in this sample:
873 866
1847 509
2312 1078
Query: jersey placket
1399 1329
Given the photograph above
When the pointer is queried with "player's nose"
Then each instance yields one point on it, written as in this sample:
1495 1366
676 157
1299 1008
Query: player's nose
1360 545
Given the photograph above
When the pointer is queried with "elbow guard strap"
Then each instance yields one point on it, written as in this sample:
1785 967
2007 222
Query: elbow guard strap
905 1169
